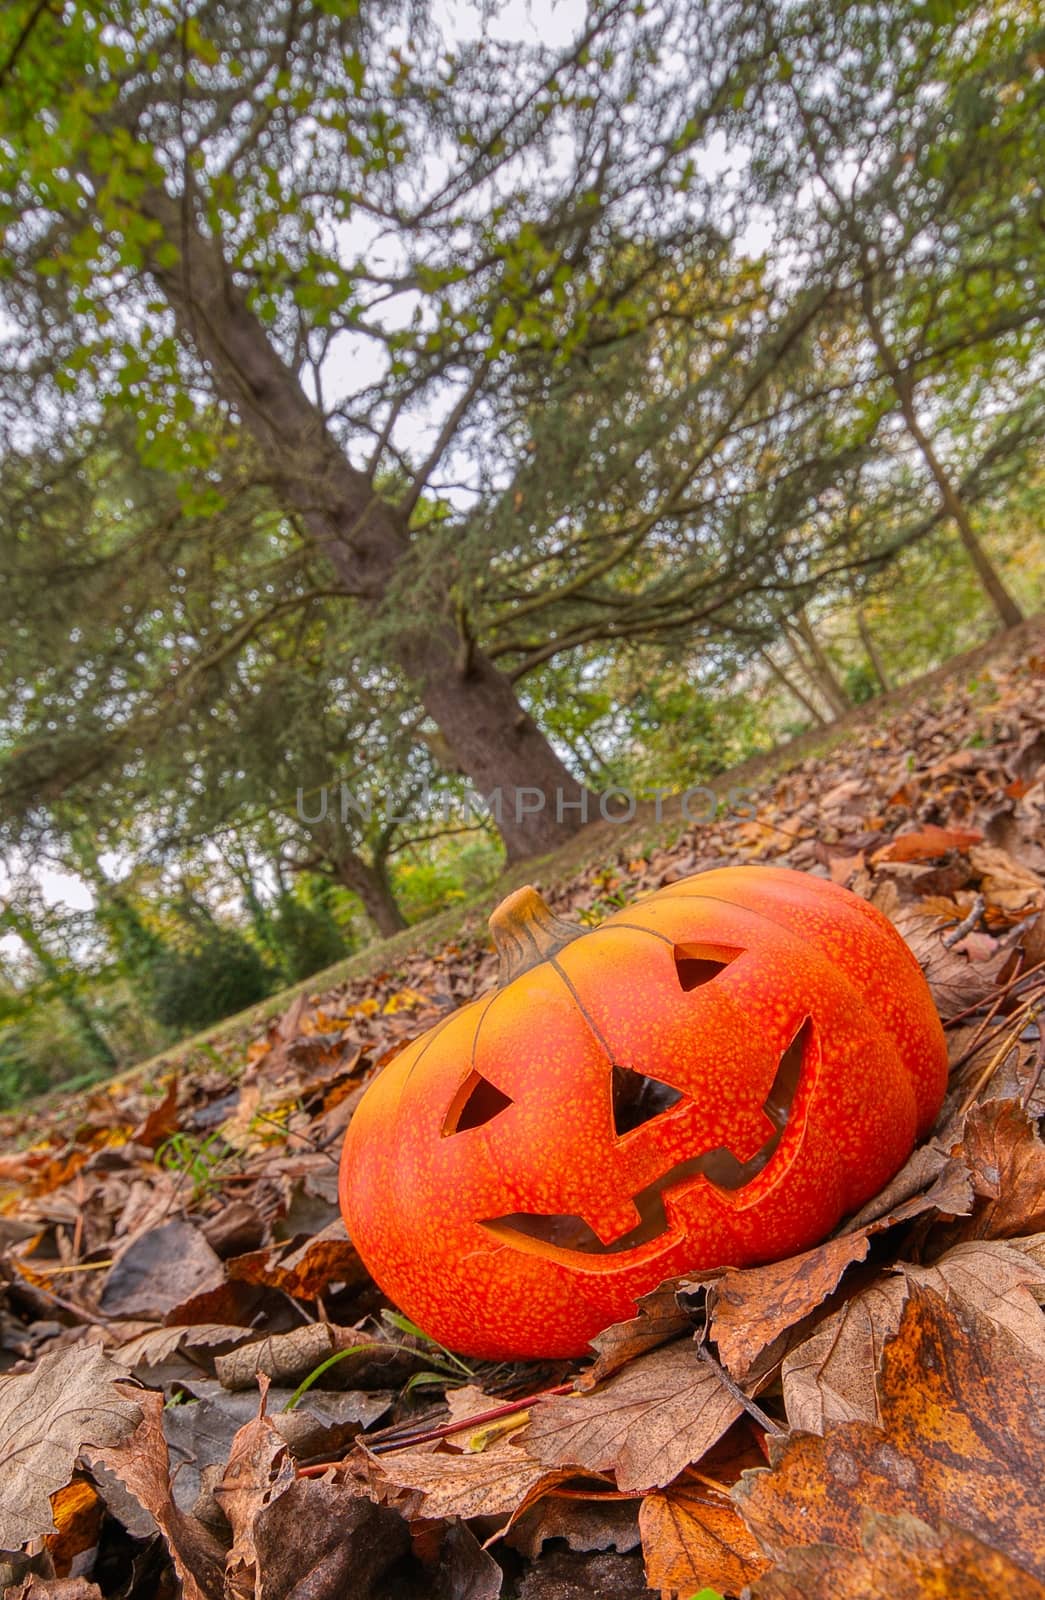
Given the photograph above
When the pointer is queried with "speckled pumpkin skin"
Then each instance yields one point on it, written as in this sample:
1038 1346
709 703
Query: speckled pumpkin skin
415 1196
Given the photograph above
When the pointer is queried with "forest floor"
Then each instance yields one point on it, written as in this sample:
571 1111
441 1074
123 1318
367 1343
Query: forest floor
857 1420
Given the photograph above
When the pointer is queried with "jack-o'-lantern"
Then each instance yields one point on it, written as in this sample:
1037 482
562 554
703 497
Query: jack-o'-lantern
714 1075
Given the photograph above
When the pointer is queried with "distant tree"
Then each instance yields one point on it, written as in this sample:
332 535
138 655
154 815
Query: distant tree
901 151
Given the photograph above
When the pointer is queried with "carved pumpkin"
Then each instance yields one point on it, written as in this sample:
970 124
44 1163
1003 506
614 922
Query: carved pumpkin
716 1074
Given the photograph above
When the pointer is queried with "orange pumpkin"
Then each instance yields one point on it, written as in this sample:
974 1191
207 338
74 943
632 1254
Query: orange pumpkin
716 1074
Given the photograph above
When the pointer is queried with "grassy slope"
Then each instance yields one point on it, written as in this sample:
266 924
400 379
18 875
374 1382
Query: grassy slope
597 841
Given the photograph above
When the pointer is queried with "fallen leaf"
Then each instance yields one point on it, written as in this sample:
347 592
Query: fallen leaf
498 1482
156 1345
657 1319
829 1376
645 1423
1007 1159
995 1279
752 1307
955 981
36 1588
142 1464
258 1470
695 1538
954 1446
323 1541
926 844
466 1570
583 1522
903 1558
304 1268
928 1174
70 1399
285 1357
161 1268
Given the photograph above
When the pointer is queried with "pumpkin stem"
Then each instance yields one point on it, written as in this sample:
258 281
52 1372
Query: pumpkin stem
526 932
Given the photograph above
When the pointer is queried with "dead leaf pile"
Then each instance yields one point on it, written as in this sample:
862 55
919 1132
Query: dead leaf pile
862 1419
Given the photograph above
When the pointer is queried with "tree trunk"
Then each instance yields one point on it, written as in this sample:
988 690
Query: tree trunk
823 682
489 735
371 884
826 674
792 688
1008 612
873 653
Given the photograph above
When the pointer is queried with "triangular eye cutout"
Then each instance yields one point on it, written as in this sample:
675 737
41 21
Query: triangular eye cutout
476 1102
697 964
638 1099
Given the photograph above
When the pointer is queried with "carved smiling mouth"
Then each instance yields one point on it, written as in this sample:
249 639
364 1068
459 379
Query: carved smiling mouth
563 1235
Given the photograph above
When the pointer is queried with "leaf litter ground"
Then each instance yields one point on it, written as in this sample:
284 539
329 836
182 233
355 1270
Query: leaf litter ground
203 1392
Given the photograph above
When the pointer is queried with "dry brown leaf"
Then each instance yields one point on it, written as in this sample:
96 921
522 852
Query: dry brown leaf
751 1308
285 1357
304 1268
928 1174
829 1377
995 1279
259 1469
954 1446
156 1345
497 1482
904 1559
955 981
69 1400
161 1120
645 1424
1007 1159
36 1588
322 1541
142 1463
159 1269
1006 882
657 1319
695 1538
926 844
584 1523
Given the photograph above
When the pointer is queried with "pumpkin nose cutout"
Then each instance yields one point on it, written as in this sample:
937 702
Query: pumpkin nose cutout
476 1102
638 1099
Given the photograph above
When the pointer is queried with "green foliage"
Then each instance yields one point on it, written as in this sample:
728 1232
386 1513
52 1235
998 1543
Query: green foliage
217 972
197 1163
305 937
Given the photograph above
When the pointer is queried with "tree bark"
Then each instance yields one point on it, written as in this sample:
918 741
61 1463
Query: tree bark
371 884
1006 608
489 735
874 655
